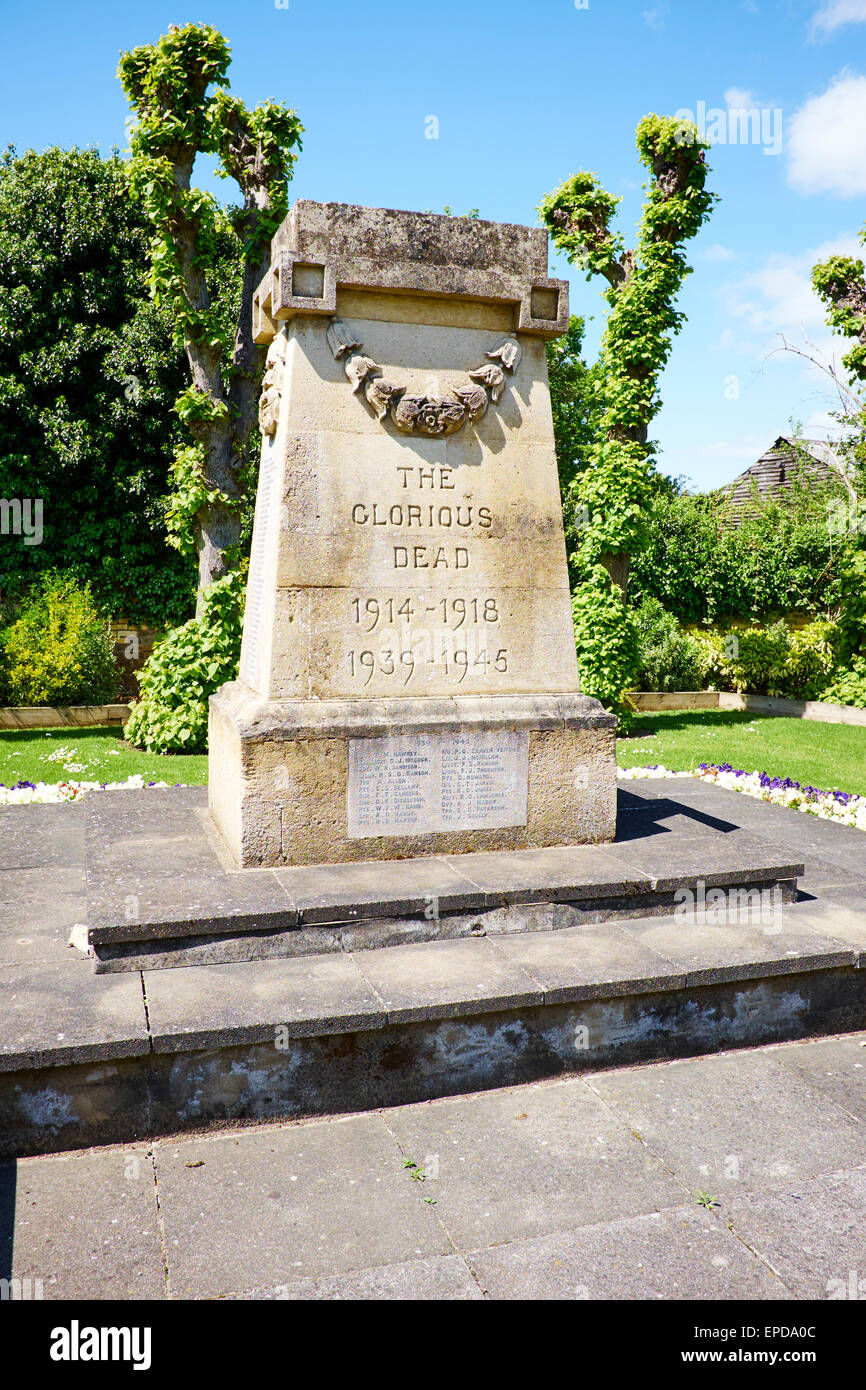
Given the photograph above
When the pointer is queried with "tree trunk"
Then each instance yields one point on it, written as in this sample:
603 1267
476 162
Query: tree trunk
617 567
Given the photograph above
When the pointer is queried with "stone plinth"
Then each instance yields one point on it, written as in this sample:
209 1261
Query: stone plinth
408 681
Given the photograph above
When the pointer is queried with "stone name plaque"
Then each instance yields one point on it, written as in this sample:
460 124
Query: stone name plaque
421 783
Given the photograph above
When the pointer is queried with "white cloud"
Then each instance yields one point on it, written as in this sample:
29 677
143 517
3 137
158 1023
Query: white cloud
717 252
779 297
827 140
738 97
834 13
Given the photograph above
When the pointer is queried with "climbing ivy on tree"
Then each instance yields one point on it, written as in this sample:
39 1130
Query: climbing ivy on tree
575 399
179 117
611 495
841 285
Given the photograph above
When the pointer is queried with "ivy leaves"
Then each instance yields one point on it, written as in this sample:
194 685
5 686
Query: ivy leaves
613 493
177 119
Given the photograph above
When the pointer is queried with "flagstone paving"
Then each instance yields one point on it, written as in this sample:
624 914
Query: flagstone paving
739 1175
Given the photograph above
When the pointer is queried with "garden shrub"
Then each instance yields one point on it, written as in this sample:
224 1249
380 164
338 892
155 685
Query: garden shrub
185 669
771 660
59 652
848 687
668 655
813 658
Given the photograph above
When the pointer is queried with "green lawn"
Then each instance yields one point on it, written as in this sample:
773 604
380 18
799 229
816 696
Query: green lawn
94 755
829 756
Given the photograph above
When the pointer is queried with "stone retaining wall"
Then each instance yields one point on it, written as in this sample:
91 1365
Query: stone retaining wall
70 716
655 701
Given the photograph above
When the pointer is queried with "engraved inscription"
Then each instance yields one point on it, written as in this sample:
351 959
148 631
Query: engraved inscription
415 784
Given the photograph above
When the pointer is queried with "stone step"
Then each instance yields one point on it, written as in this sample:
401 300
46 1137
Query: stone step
92 1059
158 919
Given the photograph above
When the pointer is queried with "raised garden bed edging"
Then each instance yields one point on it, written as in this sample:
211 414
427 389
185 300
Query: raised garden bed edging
656 701
68 716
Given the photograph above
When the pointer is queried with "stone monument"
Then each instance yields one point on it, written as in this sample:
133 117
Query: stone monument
408 683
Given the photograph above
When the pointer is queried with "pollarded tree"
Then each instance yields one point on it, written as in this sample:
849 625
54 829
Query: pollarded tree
613 493
841 285
179 117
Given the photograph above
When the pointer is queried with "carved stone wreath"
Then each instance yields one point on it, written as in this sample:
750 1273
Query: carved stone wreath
426 415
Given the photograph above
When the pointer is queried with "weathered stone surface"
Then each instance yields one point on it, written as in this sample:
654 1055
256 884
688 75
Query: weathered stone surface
757 940
437 1279
145 907
671 1255
589 962
811 1233
41 835
285 798
230 1004
344 893
60 1014
85 1225
446 979
408 549
702 1123
561 1159
317 1200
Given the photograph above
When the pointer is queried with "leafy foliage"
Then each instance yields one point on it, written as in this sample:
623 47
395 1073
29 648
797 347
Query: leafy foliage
187 667
848 687
575 399
59 652
839 281
783 558
668 658
773 660
87 377
612 493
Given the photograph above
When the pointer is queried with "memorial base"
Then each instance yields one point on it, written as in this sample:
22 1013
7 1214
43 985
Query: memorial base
333 781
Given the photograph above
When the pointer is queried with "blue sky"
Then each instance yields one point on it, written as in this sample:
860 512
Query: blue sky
524 94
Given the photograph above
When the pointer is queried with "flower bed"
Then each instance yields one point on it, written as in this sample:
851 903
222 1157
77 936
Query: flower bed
25 793
846 808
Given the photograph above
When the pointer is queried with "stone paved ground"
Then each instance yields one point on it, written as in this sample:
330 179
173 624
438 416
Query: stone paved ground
582 1188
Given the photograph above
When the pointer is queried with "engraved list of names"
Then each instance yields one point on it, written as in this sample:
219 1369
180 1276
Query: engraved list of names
429 783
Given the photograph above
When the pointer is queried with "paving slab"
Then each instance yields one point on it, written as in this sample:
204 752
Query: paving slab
33 888
86 1225
62 1014
42 835
147 907
732 857
446 979
835 917
674 1255
709 953
733 1120
589 962
259 1208
399 887
34 925
834 1066
812 1233
438 1279
553 875
513 1164
225 1005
